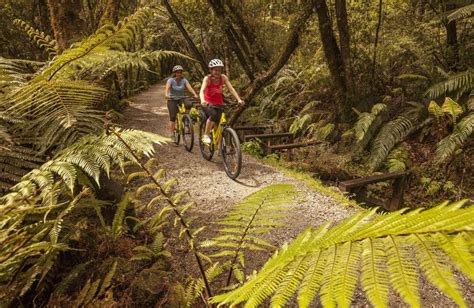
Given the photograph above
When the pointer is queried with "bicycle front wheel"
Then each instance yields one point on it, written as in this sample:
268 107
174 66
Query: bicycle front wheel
188 133
207 150
231 154
176 133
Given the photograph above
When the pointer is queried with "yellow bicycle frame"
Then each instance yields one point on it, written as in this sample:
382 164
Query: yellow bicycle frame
179 117
217 132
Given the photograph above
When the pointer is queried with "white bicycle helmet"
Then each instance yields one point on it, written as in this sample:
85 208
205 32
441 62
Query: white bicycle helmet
177 68
216 63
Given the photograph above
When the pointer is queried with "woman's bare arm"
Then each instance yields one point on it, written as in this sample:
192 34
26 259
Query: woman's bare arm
190 89
231 88
205 82
167 89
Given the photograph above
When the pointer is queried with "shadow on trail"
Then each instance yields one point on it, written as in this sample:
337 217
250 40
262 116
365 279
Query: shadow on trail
254 185
140 119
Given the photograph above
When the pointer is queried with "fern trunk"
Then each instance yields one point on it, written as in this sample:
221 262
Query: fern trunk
111 14
334 59
65 21
452 55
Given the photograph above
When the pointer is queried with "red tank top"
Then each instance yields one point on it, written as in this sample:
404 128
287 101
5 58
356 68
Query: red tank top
213 92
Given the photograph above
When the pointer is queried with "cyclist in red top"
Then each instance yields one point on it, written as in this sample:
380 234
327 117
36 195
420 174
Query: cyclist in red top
211 95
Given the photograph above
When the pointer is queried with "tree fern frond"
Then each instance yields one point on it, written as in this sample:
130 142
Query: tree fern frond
435 109
195 288
436 268
456 84
40 38
255 211
117 223
55 109
462 12
366 120
458 250
373 279
108 37
102 64
312 280
14 73
397 159
382 243
452 108
301 124
448 146
390 135
347 273
402 270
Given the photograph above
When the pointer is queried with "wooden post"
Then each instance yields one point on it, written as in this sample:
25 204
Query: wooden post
397 196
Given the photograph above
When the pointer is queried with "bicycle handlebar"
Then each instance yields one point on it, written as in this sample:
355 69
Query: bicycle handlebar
197 102
182 97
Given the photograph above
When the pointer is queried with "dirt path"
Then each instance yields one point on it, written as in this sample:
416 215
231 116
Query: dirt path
215 193
207 181
209 185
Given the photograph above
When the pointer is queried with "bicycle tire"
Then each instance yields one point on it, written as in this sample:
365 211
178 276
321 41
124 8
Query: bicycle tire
188 132
176 135
230 144
207 151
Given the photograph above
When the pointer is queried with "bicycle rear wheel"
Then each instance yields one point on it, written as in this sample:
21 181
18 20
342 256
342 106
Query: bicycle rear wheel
231 154
188 132
176 134
207 150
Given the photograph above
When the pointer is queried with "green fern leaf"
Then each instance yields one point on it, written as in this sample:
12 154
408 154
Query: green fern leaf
452 108
436 268
402 270
373 279
457 84
347 272
40 38
326 261
107 280
117 223
462 12
91 293
448 146
254 213
84 291
435 109
390 135
458 250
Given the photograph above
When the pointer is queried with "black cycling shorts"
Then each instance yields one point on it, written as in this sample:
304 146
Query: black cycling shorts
213 112
173 107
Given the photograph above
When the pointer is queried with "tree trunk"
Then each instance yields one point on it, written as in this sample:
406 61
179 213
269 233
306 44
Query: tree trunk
44 24
111 14
453 48
420 9
333 58
220 12
452 41
197 54
297 26
249 35
344 43
377 31
65 21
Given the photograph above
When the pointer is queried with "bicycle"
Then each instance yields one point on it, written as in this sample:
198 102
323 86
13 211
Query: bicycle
225 139
184 123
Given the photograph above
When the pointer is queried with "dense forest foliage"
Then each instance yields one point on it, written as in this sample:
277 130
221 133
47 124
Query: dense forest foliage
86 212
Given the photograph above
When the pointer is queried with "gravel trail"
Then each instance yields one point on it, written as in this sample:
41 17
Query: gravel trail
207 181
215 193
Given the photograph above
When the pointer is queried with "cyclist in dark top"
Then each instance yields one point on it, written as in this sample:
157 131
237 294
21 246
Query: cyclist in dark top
175 89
